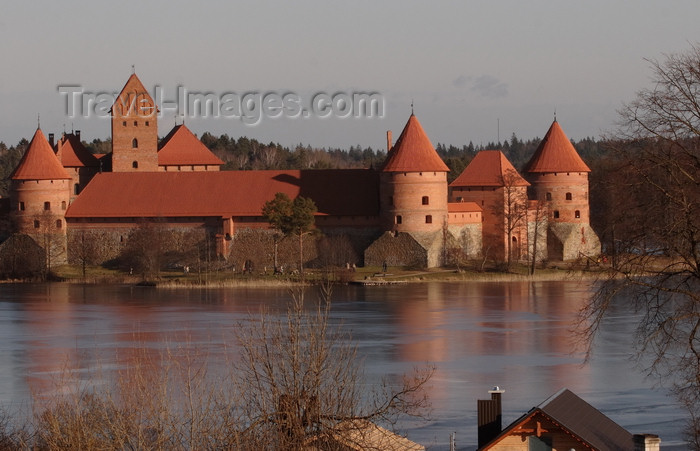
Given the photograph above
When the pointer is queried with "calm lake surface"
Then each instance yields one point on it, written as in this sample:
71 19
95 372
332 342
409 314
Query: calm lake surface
478 334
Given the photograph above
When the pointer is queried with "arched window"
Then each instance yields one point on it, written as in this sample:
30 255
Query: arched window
425 200
135 143
47 206
577 214
63 205
548 196
135 165
568 196
556 214
428 219
59 224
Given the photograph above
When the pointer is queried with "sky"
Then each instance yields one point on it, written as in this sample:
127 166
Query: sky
472 71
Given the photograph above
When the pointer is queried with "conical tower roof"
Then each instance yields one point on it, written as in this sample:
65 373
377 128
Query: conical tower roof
556 154
490 168
126 104
73 154
39 162
413 152
181 147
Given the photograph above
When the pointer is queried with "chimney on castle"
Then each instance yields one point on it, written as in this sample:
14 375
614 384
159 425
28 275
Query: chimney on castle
388 141
51 140
489 416
647 442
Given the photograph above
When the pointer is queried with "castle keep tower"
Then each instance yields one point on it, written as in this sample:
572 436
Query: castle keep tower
413 184
134 129
39 197
559 178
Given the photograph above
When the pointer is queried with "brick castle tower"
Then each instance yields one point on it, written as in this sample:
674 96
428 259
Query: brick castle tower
559 178
39 197
134 129
413 184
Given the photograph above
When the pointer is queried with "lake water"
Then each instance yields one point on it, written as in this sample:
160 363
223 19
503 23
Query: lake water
514 335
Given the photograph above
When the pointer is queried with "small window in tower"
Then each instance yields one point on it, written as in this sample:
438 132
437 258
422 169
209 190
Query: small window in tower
136 123
577 214
428 219
63 205
556 214
21 206
76 188
147 124
398 219
568 196
47 206
135 164
135 143
124 124
36 224
59 224
425 200
548 196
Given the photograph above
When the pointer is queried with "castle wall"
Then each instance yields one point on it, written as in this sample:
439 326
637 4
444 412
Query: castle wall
566 194
189 168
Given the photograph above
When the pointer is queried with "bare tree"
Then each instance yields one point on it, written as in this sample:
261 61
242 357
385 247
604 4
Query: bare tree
514 212
658 248
300 379
537 230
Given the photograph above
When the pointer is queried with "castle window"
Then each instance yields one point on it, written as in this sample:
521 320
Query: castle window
124 124
568 196
577 214
21 206
76 188
425 200
36 224
135 143
59 224
135 164
136 123
63 205
556 214
398 219
47 206
548 196
147 124
428 219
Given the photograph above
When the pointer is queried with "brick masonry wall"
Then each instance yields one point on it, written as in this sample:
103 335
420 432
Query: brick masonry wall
402 195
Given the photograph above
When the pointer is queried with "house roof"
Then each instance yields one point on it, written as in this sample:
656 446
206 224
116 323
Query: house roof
489 168
39 162
359 435
580 419
181 147
413 152
341 192
556 154
73 154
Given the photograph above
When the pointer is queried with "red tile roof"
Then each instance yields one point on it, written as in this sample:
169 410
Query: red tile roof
338 192
73 154
556 154
181 147
413 152
464 207
133 85
489 168
39 162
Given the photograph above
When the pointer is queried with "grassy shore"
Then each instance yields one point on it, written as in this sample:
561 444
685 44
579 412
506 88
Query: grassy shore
219 279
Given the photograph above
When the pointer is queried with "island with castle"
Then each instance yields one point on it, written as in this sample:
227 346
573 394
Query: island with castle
401 213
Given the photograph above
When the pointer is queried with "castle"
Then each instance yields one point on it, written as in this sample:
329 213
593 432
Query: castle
402 213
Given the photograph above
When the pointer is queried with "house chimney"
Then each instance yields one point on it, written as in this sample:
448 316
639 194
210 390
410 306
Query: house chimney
647 442
388 141
489 416
51 140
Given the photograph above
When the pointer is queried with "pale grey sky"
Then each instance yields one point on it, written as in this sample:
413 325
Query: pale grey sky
467 66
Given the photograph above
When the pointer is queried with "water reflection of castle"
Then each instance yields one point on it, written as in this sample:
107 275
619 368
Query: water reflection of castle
404 210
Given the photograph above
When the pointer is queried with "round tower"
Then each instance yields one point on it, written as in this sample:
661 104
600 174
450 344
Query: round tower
413 184
559 177
39 197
